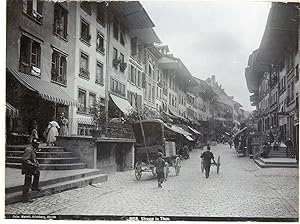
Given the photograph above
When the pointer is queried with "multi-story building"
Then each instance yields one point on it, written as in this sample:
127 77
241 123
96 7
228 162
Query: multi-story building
226 109
40 77
273 73
64 56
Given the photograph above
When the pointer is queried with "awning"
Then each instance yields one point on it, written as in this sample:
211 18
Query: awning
167 63
189 138
178 130
122 104
195 131
133 14
11 111
146 35
47 90
169 115
176 114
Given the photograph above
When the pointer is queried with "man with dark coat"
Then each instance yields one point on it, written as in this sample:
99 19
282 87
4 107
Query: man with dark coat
160 166
290 147
207 156
30 167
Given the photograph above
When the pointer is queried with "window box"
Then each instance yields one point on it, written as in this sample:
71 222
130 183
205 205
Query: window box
123 66
86 41
116 62
84 73
101 50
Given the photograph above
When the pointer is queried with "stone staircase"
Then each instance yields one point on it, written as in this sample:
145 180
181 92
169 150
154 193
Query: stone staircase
56 183
276 162
49 157
277 159
60 171
280 153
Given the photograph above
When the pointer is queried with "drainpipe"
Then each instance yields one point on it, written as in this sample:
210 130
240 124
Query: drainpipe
107 71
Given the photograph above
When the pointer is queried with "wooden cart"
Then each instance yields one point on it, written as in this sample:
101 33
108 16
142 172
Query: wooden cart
152 137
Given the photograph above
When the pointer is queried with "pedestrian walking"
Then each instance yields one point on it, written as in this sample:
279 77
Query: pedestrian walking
51 132
63 122
290 147
160 165
30 167
207 156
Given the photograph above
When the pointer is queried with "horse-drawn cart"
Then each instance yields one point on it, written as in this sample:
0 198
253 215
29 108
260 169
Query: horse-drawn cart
152 136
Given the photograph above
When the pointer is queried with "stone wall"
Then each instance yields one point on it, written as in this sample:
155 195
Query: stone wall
84 147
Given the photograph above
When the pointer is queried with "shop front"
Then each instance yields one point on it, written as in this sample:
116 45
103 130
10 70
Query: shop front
37 102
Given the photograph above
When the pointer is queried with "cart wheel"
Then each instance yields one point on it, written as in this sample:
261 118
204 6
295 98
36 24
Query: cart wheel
138 171
153 169
167 170
218 164
202 166
177 170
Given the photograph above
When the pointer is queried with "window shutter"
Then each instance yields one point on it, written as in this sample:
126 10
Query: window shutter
143 80
139 101
134 45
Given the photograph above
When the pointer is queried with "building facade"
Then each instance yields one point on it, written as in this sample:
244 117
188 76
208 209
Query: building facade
273 74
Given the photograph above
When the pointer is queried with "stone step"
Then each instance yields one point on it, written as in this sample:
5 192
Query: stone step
41 149
56 180
277 156
278 160
57 187
66 160
42 154
262 164
72 166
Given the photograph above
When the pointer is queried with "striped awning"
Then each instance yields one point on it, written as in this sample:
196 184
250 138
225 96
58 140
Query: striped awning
194 130
122 104
189 138
47 90
178 130
173 112
11 110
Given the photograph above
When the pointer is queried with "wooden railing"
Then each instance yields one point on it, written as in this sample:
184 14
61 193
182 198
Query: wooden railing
114 130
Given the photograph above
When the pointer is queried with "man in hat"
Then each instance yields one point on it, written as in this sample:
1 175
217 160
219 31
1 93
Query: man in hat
207 156
160 165
30 167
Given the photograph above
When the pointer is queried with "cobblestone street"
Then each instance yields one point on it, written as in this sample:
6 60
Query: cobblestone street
241 189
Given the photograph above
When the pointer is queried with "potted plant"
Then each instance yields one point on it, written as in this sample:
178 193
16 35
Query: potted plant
123 66
116 62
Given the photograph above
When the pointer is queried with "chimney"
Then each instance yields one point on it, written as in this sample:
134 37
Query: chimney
213 79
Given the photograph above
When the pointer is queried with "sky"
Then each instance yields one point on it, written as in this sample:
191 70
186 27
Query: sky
212 38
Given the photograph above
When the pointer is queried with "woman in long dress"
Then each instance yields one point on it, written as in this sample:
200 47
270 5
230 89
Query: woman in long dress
52 132
63 125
